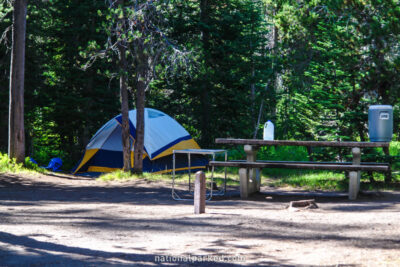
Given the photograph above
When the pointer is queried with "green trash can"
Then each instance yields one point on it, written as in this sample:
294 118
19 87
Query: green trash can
380 123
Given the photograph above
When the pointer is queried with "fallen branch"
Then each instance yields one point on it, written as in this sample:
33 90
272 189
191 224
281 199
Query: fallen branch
302 204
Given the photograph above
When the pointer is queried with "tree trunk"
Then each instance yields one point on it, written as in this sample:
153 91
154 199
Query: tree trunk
253 99
140 103
123 86
16 134
126 144
205 96
277 76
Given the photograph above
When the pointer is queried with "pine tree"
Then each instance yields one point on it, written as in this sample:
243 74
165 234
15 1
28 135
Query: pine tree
16 134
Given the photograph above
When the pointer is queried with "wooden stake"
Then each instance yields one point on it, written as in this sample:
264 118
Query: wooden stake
200 193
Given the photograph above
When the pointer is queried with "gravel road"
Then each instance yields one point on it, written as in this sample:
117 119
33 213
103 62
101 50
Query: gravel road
61 220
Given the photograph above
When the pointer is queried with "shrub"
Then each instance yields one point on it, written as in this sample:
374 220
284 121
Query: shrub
9 165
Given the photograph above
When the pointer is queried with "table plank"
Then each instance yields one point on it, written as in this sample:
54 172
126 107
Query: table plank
289 165
259 142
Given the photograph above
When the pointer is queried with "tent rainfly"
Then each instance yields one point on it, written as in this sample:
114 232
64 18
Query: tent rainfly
162 135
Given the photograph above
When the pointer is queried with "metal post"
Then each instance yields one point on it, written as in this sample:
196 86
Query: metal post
226 159
190 186
173 175
212 177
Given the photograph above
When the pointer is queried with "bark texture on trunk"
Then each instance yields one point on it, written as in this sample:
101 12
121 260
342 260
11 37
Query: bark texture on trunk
123 86
140 103
126 144
16 131
205 101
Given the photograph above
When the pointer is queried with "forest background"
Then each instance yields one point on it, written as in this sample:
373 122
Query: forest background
311 67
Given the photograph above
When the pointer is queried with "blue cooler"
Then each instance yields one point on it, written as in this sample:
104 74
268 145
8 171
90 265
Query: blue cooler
380 123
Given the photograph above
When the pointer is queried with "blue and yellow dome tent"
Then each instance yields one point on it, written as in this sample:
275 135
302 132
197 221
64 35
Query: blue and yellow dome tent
163 134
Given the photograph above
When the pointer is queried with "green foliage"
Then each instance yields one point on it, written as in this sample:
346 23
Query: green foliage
338 60
9 165
64 105
221 97
313 181
120 175
313 67
33 166
289 153
43 154
394 148
394 151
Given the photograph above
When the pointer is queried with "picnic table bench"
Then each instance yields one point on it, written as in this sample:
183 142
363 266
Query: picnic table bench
250 169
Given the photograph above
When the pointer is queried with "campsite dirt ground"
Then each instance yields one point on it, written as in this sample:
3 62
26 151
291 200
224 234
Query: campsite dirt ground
61 220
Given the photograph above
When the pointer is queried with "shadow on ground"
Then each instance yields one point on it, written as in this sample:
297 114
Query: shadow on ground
41 253
28 193
16 192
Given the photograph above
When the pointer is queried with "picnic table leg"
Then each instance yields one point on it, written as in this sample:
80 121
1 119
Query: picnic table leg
388 174
244 183
254 174
354 176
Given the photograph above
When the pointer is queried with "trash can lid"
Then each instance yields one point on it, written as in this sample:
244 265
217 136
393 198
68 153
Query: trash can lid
381 107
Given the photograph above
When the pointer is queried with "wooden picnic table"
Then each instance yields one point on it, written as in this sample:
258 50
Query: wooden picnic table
259 142
250 169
